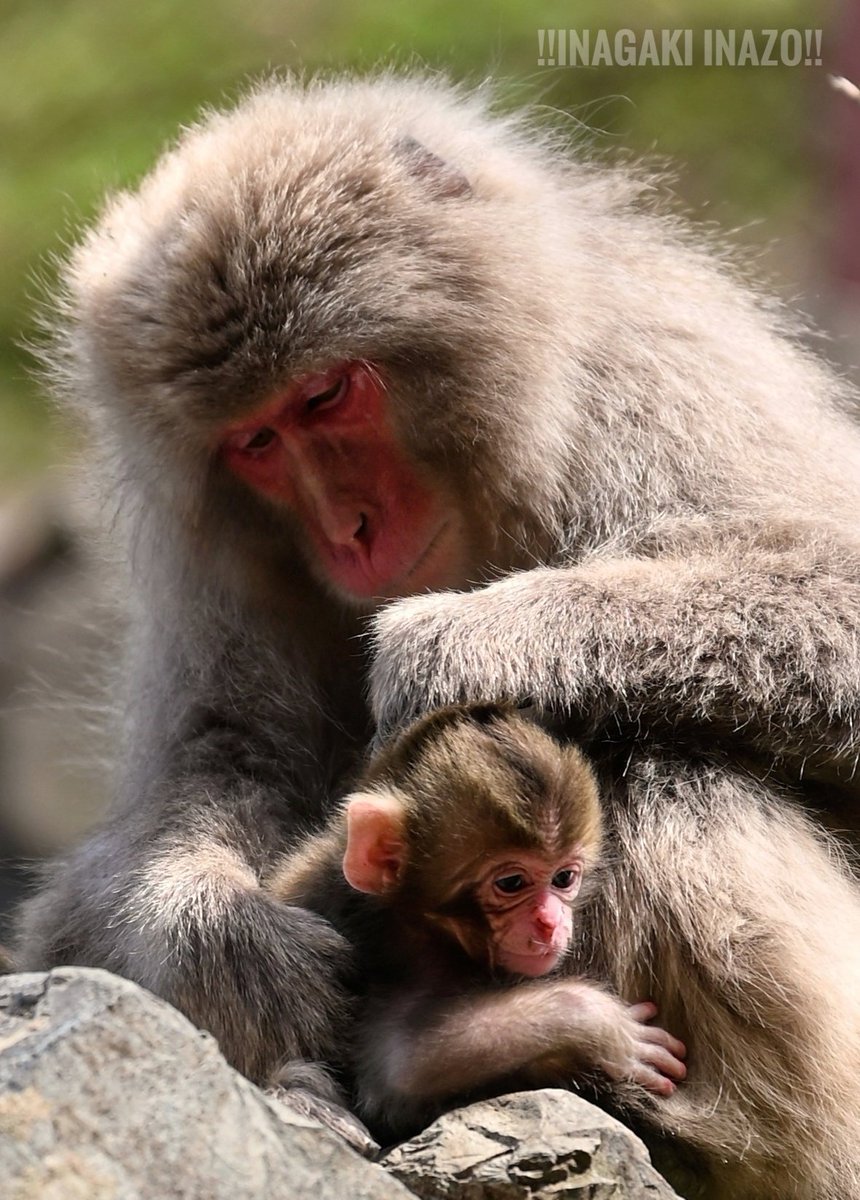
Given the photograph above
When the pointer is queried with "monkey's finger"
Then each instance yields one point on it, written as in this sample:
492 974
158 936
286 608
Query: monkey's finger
645 1010
652 1081
658 1056
653 1033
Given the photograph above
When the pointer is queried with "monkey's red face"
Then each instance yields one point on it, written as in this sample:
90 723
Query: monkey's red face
527 902
325 449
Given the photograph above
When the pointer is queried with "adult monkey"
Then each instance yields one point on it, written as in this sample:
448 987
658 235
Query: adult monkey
362 340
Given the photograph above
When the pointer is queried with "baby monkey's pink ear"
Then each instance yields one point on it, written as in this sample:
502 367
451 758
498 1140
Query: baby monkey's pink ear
376 846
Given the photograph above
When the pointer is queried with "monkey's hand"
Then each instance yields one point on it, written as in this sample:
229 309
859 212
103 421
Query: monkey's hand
655 1060
515 640
267 979
594 1030
426 655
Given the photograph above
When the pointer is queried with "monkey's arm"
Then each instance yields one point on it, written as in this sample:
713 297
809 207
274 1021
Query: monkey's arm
763 646
421 1050
226 760
169 895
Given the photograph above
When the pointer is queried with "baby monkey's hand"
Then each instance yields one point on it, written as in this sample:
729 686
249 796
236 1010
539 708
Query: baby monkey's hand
657 1059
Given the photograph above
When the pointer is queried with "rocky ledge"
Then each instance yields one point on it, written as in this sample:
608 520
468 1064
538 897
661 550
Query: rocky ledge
107 1093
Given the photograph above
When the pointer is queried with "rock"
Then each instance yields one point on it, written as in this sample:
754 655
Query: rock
107 1093
547 1145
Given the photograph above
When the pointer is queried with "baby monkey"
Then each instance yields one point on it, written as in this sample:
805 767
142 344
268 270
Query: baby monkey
456 871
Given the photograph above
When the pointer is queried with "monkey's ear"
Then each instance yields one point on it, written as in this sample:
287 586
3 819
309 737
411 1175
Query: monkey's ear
376 846
439 177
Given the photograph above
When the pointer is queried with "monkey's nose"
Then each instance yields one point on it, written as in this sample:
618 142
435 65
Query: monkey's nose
343 526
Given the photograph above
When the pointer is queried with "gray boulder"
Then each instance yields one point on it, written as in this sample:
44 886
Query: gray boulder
549 1144
107 1093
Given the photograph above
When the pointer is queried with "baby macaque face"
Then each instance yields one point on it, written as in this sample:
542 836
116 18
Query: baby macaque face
527 901
525 896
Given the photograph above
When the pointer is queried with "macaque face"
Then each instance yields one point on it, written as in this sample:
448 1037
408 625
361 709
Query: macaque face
527 903
374 524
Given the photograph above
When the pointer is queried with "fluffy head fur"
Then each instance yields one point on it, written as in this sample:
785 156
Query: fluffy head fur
474 781
469 780
299 229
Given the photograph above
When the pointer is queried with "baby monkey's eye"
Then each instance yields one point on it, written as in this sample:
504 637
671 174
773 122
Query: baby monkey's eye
508 885
564 878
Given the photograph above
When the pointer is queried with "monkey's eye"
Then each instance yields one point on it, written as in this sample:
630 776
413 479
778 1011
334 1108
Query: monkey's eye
327 398
261 440
564 879
509 885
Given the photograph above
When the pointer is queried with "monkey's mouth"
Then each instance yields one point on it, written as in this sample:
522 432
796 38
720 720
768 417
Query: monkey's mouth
416 568
532 963
374 569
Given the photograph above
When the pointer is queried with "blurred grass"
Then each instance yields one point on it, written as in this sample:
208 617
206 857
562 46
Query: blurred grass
91 89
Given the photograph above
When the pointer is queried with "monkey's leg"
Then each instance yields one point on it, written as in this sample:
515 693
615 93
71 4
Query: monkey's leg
729 909
184 916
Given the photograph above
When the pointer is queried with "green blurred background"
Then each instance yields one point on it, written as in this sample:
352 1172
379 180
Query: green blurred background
90 89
